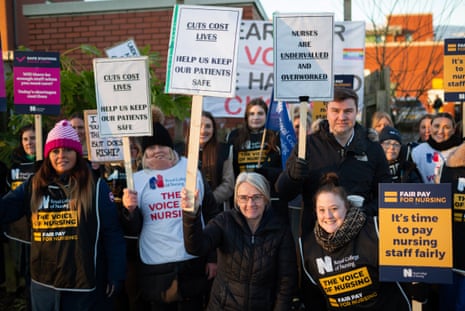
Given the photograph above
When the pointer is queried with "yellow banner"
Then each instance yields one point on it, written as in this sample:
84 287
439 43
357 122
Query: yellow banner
345 282
415 237
55 220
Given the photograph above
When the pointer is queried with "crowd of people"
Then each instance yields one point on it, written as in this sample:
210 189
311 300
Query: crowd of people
81 240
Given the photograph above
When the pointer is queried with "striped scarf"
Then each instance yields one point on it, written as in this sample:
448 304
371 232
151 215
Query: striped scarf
353 223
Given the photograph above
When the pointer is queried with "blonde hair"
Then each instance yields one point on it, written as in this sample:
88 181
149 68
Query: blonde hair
378 116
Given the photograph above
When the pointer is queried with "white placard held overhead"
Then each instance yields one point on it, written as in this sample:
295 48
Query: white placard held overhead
203 51
124 49
123 96
303 56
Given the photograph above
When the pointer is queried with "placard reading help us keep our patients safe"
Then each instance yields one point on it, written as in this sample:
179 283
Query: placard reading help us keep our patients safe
203 51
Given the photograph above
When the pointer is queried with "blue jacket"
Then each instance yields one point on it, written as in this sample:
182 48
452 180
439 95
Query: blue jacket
66 244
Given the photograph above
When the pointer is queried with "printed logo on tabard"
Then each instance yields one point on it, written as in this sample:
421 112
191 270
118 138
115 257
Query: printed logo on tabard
156 182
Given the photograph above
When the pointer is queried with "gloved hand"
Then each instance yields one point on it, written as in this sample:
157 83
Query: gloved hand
298 170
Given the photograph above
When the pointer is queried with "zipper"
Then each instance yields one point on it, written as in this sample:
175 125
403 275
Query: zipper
253 239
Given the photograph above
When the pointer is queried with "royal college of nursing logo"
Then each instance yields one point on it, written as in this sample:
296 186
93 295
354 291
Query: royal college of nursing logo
156 182
407 273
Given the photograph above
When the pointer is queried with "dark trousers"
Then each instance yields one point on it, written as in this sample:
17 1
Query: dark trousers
48 299
185 281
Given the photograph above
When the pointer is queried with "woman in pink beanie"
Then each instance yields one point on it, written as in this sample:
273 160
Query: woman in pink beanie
76 239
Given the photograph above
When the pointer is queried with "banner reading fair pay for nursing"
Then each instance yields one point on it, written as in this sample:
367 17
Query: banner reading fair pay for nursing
203 51
415 233
123 96
303 56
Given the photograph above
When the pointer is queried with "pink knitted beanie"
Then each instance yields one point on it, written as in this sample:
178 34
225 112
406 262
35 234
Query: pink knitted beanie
63 135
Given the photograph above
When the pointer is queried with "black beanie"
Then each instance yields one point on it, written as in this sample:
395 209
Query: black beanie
389 133
160 137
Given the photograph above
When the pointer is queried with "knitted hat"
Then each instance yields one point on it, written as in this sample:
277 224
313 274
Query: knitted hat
63 135
160 137
389 133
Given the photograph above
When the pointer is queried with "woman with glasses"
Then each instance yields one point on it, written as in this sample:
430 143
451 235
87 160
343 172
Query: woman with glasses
431 155
401 170
256 252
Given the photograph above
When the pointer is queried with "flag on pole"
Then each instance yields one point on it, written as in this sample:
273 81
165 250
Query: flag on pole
278 120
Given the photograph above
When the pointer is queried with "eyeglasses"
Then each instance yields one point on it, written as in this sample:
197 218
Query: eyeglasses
256 198
394 145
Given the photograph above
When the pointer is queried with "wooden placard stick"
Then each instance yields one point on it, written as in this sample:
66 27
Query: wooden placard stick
193 147
303 126
128 162
38 132
262 145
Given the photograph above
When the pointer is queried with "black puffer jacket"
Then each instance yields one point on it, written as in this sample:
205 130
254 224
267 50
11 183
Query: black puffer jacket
255 271
360 166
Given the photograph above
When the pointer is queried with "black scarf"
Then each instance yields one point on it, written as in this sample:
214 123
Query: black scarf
453 141
353 223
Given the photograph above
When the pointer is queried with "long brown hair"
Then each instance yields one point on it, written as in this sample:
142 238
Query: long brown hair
244 132
210 153
79 187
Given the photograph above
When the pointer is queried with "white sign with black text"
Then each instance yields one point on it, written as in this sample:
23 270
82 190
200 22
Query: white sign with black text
108 149
125 49
203 51
123 96
303 56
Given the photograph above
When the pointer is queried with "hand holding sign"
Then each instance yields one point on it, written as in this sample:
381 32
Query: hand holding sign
202 61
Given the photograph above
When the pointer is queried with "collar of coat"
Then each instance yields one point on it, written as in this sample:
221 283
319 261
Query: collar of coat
359 143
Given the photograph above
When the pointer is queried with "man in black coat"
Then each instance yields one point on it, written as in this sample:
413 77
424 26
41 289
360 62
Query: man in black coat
341 145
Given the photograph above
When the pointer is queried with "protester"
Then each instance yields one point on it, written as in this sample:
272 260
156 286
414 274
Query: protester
115 176
256 253
77 122
432 154
256 149
168 277
296 123
344 243
215 162
437 104
23 166
452 296
424 128
379 120
341 146
74 226
3 190
247 142
401 170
